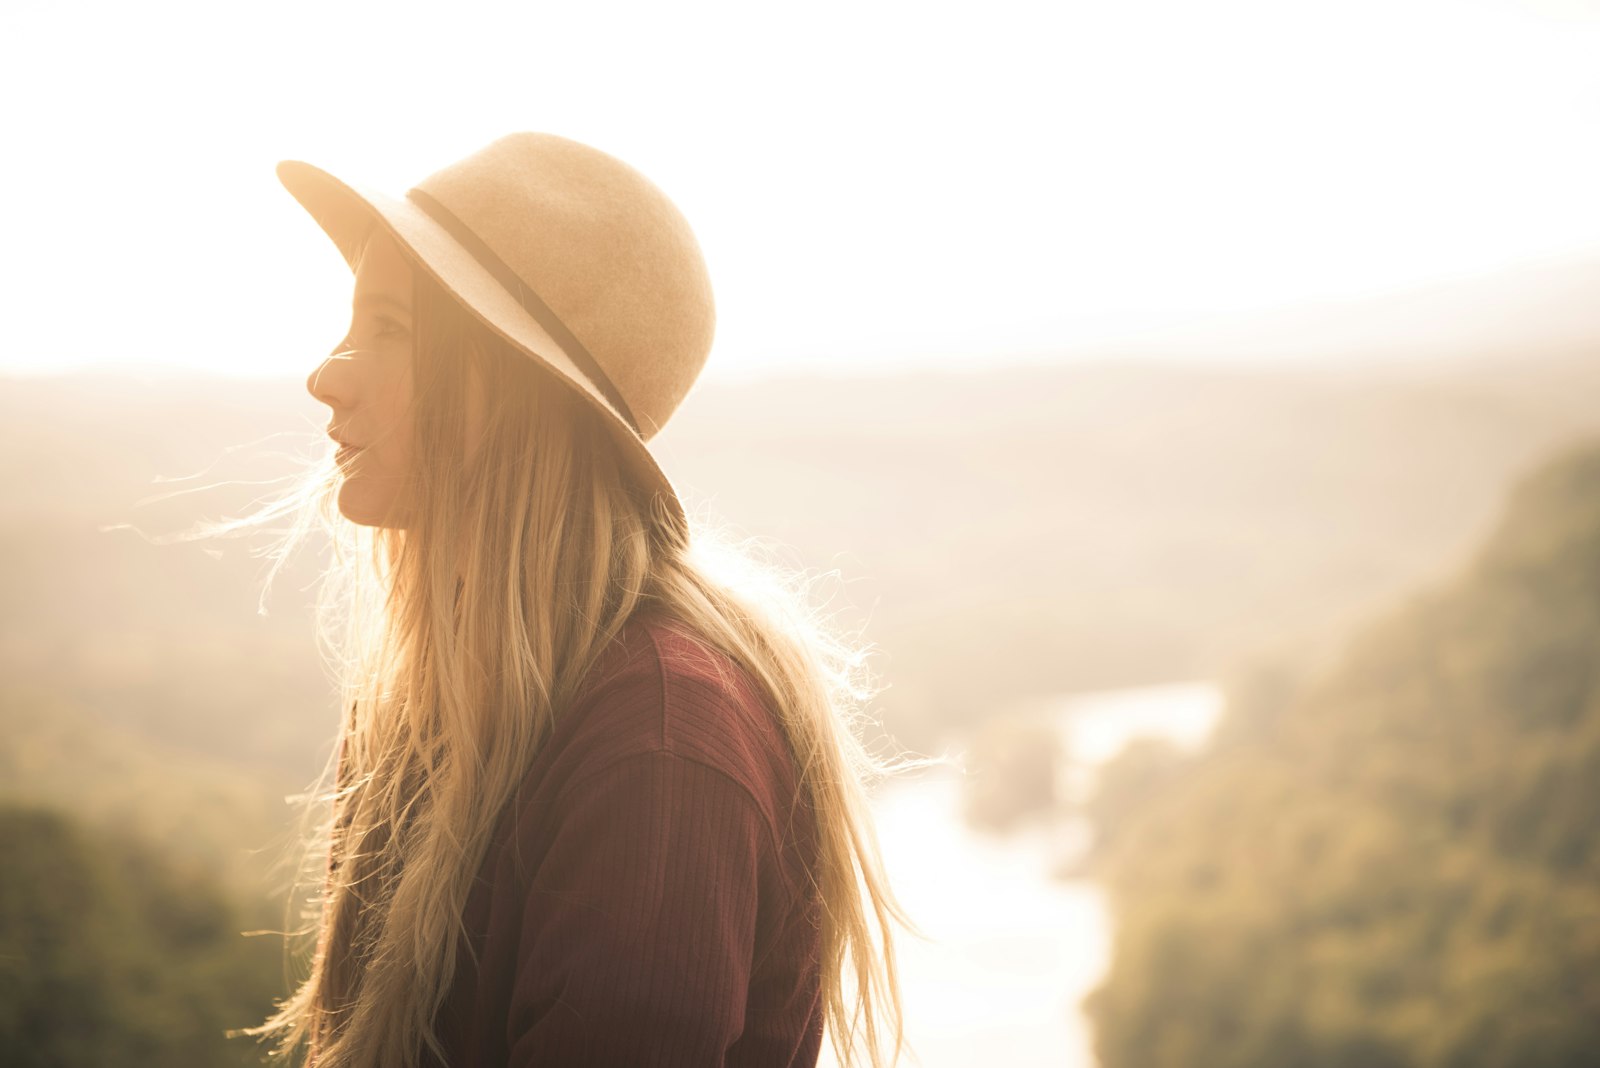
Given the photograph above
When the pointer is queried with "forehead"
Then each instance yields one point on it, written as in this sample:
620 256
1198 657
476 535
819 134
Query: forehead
383 270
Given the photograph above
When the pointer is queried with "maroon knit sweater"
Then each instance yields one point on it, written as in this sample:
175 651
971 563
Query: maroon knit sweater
647 899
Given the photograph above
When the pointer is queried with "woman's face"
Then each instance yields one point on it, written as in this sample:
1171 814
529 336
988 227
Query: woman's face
367 383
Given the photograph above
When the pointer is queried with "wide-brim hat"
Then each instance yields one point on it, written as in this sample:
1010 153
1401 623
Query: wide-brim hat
567 253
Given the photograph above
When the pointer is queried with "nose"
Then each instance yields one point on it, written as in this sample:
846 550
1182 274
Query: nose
330 381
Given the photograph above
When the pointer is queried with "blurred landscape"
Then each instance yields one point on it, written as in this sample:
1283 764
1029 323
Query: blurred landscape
1386 857
1391 863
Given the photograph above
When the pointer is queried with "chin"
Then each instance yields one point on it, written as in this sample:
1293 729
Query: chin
365 508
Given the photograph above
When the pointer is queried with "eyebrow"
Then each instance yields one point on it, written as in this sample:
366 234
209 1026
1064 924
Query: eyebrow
381 298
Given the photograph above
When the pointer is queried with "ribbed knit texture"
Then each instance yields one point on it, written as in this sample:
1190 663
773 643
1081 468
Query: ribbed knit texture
647 901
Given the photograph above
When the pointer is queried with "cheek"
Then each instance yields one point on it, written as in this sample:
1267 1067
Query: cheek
369 492
394 409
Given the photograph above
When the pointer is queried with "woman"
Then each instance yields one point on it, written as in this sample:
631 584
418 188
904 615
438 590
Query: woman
593 805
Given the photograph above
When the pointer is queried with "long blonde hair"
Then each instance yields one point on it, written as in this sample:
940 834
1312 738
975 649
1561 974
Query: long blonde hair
460 639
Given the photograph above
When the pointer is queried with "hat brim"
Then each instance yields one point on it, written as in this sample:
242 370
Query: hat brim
347 214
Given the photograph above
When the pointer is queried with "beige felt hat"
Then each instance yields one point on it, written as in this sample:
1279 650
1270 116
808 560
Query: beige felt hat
569 254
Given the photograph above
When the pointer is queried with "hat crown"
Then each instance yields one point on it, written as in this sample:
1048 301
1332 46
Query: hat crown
603 248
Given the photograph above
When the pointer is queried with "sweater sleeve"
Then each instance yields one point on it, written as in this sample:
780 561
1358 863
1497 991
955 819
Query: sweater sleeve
639 927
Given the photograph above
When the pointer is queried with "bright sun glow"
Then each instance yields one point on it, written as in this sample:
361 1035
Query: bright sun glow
874 184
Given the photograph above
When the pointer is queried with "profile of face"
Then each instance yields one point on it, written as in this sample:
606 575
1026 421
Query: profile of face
367 384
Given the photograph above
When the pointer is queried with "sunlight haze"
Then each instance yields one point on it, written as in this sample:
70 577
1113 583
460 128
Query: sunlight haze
876 186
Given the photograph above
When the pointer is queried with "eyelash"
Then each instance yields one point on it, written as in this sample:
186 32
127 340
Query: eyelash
386 328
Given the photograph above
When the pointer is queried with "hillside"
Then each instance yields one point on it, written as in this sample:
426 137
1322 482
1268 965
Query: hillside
1396 863
1048 530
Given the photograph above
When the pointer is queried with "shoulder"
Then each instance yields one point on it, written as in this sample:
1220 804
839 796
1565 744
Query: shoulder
661 690
650 897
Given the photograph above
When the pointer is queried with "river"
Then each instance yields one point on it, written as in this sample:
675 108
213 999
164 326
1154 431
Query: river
1010 949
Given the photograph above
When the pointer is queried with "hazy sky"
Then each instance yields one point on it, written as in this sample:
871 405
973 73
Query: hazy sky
874 184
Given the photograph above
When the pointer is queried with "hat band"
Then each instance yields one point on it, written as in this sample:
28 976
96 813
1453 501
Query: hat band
531 302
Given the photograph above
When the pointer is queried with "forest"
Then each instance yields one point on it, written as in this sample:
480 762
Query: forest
1395 862
114 953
